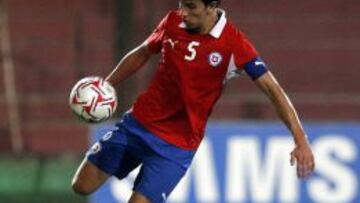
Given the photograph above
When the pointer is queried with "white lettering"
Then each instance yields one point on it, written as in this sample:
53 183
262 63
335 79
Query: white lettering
337 182
244 170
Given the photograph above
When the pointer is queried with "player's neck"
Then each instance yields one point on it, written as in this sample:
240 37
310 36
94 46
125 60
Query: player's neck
210 23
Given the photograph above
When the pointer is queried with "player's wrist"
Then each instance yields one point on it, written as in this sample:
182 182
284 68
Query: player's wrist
301 140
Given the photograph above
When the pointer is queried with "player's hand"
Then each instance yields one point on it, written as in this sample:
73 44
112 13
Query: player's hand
304 159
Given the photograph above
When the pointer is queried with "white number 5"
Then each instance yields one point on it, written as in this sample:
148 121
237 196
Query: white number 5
192 50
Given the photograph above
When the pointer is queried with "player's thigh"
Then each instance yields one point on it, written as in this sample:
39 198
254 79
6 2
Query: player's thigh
157 178
88 178
109 156
116 154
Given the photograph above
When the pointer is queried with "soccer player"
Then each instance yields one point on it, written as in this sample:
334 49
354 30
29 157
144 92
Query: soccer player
200 50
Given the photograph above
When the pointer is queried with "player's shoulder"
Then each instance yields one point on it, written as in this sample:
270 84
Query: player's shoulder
233 33
232 30
172 17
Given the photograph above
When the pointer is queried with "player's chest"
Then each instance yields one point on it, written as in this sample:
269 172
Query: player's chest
196 56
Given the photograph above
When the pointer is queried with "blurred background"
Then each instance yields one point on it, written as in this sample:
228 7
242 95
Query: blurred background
312 47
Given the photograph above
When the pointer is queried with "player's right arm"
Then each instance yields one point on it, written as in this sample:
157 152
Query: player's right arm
131 62
140 55
248 58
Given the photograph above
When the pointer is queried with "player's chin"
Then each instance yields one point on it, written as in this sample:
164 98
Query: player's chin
192 29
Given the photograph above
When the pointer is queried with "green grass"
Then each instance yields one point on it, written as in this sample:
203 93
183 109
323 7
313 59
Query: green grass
38 179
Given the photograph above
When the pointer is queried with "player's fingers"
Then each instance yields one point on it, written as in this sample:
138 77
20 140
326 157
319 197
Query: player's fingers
306 168
308 164
299 170
312 164
292 158
302 165
307 171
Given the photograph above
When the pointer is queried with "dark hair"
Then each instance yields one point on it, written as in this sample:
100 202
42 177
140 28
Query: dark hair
207 2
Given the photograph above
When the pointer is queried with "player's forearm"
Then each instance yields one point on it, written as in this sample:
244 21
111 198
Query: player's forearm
285 109
288 114
131 62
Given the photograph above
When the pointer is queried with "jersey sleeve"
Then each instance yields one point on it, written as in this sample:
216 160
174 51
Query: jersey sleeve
155 39
255 68
244 51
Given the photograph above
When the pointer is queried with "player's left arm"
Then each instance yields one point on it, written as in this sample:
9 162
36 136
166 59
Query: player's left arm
266 81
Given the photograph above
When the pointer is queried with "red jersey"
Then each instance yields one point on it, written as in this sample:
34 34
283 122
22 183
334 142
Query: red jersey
190 78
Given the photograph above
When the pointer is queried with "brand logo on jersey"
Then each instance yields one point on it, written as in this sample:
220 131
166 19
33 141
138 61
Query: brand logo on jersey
164 196
172 42
215 59
259 63
95 148
107 136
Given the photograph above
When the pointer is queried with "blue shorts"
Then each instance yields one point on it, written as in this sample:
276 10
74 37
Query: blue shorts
130 145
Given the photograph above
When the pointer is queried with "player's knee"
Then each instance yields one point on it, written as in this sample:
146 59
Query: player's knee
80 187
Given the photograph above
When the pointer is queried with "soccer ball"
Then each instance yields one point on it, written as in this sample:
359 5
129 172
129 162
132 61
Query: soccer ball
93 99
